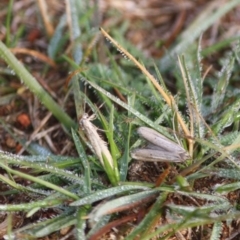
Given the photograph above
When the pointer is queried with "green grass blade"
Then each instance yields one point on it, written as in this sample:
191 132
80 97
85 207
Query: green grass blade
35 87
94 197
216 231
57 39
124 201
85 163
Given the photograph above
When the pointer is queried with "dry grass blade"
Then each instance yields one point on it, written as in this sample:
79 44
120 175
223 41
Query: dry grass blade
44 12
35 54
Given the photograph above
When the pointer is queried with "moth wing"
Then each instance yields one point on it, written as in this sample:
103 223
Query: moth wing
154 147
159 140
181 154
156 155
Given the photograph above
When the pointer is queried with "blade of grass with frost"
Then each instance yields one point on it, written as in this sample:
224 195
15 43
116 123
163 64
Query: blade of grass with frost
149 219
30 205
191 97
117 204
109 131
21 161
159 148
85 163
40 181
109 192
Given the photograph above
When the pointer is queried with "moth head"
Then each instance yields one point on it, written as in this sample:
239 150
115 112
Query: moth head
184 156
84 117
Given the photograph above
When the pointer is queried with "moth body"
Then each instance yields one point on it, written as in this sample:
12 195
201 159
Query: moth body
98 144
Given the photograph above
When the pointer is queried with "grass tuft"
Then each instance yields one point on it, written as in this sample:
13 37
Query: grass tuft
101 188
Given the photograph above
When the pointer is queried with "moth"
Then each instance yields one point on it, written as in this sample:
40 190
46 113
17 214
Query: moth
159 148
98 144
